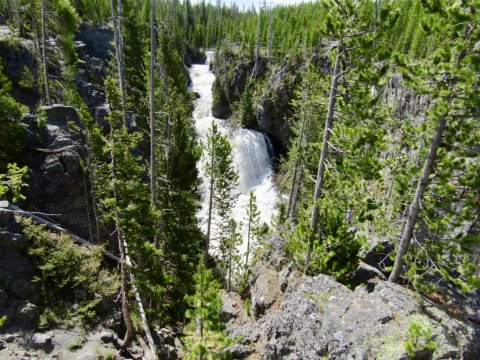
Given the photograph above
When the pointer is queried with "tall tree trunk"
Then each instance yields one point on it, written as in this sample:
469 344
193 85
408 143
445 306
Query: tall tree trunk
123 253
296 195
270 35
44 58
93 191
141 310
87 205
118 36
326 137
323 155
256 67
153 150
417 199
291 199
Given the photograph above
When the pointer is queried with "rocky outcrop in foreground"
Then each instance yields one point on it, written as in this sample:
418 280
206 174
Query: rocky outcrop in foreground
300 317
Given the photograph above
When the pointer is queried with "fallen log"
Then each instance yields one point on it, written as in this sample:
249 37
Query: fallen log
7 207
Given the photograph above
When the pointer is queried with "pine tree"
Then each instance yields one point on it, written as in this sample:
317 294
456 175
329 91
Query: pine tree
451 73
222 181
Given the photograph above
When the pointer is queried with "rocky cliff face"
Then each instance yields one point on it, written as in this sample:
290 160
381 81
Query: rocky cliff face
273 95
293 316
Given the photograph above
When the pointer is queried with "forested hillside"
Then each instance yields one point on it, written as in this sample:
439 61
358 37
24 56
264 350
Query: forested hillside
134 222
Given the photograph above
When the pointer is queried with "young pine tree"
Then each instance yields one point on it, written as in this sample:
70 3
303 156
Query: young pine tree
222 181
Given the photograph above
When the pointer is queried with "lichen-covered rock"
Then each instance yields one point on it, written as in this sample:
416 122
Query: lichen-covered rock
320 317
42 341
26 314
233 308
317 317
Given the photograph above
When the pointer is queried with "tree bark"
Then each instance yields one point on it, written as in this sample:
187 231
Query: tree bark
256 67
323 155
270 35
44 58
141 310
118 36
127 340
417 199
153 159
91 172
292 198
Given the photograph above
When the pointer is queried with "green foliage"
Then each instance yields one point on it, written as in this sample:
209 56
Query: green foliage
12 130
335 252
419 339
11 183
222 177
27 81
68 271
205 308
248 118
3 321
67 24
75 345
125 201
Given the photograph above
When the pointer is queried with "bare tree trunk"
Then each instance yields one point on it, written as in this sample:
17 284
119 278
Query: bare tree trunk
44 58
54 227
415 205
93 192
36 40
296 195
326 137
118 36
256 67
291 199
87 205
123 255
153 158
141 310
270 35
323 154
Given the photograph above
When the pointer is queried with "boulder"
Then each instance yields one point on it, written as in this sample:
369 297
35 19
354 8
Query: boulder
61 115
26 314
238 351
364 273
98 40
42 342
265 290
233 308
321 318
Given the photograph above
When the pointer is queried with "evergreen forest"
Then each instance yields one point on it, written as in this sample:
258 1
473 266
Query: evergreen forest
203 180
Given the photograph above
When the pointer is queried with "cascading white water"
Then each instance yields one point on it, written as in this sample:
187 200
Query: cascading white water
252 154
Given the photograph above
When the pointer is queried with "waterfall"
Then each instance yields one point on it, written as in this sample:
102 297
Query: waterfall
252 155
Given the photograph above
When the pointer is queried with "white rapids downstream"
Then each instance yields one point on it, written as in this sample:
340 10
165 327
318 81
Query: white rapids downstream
252 155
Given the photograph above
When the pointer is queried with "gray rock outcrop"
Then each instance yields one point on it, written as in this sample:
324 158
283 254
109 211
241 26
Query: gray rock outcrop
316 317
